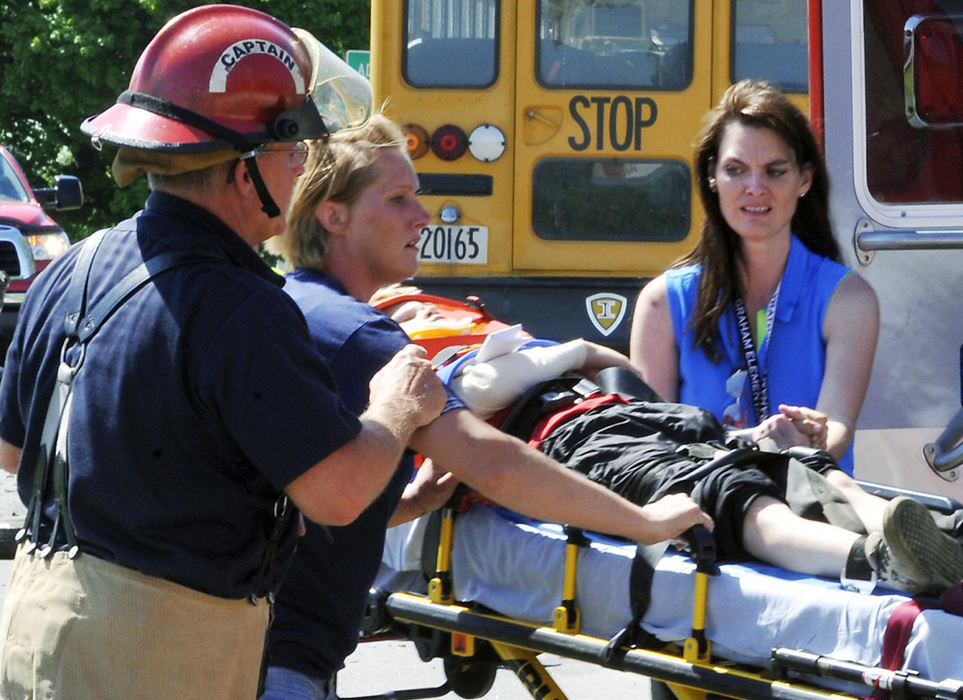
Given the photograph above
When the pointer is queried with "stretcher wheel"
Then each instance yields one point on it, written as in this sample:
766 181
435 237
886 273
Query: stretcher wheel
470 680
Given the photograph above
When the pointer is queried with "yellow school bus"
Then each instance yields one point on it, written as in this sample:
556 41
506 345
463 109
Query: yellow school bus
553 139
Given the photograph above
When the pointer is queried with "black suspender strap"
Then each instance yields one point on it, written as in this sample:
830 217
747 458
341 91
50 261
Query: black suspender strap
281 511
74 297
90 323
48 443
79 327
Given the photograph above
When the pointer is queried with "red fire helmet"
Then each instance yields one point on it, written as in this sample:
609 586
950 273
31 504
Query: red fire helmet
222 76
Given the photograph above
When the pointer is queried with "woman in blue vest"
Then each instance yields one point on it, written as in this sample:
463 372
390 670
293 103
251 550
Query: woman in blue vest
761 324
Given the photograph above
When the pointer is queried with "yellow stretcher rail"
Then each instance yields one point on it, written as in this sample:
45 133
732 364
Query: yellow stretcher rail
691 674
516 643
567 617
439 587
660 665
697 647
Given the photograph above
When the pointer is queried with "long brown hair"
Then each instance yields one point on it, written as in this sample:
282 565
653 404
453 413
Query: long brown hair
755 104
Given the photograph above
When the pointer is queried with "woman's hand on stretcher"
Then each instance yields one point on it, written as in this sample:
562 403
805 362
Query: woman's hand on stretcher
794 425
672 515
429 490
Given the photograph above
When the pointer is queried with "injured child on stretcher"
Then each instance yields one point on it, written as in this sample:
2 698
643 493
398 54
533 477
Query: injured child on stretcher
767 505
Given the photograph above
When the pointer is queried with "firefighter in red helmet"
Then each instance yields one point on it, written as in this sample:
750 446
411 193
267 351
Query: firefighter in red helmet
162 403
202 94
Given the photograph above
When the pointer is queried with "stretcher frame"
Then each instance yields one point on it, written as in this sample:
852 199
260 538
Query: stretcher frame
474 643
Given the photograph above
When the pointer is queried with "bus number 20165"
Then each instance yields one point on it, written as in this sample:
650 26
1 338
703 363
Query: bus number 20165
457 244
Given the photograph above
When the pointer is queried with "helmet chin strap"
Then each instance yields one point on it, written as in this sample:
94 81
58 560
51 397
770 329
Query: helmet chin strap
293 130
268 205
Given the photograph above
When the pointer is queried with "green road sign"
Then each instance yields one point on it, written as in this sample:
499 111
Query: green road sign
360 61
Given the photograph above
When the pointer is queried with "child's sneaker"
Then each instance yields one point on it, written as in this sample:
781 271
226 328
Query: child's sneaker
911 553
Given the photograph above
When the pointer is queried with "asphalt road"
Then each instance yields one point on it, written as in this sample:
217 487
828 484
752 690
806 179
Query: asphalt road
387 666
12 513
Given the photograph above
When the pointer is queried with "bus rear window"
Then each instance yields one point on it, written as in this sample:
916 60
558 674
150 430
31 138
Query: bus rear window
770 41
451 43
635 44
611 199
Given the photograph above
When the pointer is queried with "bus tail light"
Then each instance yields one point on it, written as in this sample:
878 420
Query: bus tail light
417 138
449 142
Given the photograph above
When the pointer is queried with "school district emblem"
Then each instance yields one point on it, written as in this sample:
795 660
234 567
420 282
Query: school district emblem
606 311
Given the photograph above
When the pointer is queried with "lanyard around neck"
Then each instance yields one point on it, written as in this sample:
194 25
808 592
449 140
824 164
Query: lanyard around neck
758 375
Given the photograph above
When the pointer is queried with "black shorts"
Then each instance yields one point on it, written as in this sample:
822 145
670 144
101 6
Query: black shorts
632 449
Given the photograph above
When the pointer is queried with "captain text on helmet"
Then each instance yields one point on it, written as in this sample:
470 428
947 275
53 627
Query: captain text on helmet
162 404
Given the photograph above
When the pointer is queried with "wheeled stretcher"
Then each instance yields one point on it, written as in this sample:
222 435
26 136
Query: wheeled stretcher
489 589
506 588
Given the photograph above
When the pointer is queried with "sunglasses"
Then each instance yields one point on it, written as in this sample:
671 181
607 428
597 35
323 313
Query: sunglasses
734 415
297 153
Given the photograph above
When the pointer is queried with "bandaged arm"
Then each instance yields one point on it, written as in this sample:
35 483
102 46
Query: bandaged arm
487 387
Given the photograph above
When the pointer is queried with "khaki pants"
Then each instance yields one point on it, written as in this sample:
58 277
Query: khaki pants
86 628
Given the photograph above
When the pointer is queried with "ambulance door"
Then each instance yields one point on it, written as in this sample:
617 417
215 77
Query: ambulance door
893 114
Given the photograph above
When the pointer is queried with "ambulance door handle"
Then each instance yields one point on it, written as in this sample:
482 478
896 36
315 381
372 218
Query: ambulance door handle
945 455
909 240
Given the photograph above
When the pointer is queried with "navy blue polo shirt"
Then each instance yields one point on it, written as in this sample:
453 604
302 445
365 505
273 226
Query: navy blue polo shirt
199 400
321 602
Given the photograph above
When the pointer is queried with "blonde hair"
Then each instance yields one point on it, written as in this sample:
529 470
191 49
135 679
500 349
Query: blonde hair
337 170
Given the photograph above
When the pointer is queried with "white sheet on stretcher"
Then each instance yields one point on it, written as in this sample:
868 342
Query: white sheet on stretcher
516 568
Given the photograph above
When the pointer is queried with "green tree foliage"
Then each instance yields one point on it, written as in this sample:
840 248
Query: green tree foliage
64 60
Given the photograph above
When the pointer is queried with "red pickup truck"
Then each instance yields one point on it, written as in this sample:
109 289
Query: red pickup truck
29 238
